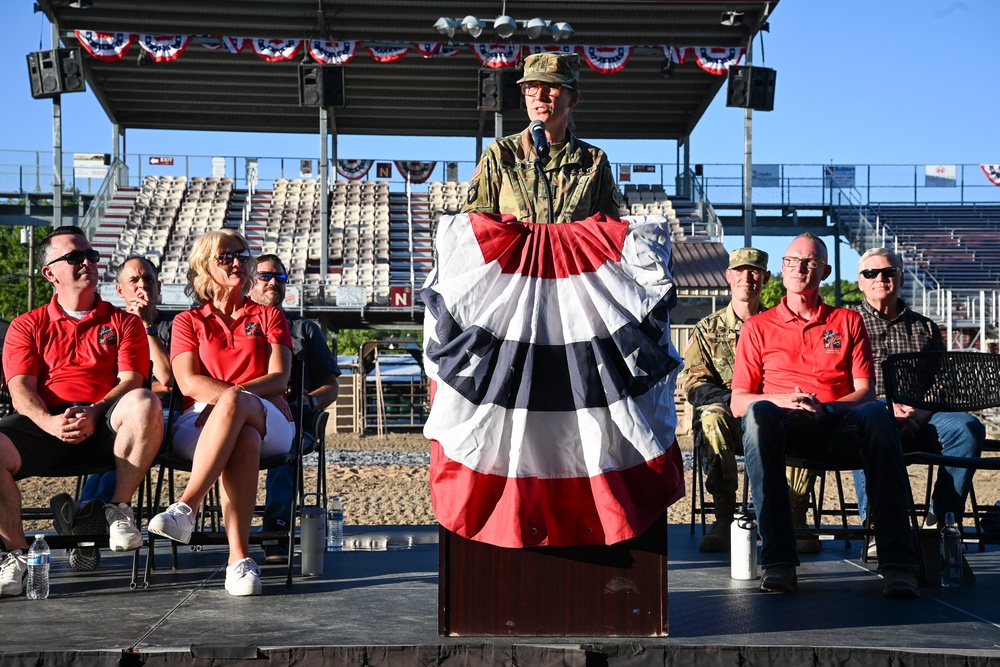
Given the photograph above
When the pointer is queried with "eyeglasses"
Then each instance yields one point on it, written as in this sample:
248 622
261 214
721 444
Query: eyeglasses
226 258
796 262
533 88
888 272
77 257
267 276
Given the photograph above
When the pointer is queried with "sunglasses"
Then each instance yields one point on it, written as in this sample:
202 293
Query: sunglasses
267 276
226 258
77 257
888 272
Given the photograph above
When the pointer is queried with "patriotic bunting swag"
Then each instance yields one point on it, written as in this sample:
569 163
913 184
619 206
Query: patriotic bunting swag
717 60
387 54
552 376
607 59
276 50
105 45
992 172
415 171
332 53
164 48
353 170
497 55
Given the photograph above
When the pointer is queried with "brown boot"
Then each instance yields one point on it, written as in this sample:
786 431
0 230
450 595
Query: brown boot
800 506
717 539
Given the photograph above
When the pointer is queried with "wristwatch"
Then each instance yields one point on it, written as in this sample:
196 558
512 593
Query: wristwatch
830 410
150 331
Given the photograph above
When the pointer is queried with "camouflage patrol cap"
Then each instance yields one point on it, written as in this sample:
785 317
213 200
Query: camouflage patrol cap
748 257
552 67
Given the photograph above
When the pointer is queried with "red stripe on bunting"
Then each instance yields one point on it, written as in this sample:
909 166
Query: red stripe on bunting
531 512
543 251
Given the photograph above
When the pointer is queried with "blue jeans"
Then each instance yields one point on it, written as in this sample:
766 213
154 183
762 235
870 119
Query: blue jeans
278 499
951 434
867 433
99 487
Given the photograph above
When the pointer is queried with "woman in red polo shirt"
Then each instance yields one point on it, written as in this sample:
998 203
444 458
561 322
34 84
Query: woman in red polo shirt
231 358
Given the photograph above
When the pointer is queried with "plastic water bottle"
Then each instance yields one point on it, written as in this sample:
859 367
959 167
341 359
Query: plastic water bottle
951 553
335 525
39 557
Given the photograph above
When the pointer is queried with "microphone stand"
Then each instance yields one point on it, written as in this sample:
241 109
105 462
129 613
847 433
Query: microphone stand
548 185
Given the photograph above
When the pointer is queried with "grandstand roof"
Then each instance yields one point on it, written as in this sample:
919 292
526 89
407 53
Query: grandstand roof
218 90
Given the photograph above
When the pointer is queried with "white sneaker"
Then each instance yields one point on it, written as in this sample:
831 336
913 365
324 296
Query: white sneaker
243 578
123 534
13 573
177 523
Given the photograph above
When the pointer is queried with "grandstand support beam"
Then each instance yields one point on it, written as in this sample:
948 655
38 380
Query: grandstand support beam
326 119
56 145
748 162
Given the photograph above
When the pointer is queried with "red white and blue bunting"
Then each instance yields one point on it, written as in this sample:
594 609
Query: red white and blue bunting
353 170
607 59
992 172
388 54
164 48
497 55
717 59
601 59
332 53
276 50
415 171
108 46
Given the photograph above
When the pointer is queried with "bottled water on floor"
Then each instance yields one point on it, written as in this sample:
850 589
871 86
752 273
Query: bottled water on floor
39 557
335 525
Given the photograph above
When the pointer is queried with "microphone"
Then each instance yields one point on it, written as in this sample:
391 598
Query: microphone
537 129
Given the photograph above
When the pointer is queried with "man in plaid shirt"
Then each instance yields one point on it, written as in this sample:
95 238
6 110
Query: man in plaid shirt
894 328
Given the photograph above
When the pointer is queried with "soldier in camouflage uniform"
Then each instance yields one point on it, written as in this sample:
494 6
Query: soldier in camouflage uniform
707 381
506 181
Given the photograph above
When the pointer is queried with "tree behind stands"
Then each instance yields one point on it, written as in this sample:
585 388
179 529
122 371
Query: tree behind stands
14 273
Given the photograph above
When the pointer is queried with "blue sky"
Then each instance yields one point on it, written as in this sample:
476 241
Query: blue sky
859 82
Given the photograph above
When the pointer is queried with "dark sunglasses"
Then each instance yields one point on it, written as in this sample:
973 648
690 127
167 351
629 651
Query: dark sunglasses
76 257
888 272
226 258
267 276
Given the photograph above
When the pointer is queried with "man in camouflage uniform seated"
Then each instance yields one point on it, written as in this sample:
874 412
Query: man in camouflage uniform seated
707 381
506 180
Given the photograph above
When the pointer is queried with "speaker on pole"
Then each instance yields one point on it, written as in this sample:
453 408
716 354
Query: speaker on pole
321 86
751 88
71 70
55 72
498 90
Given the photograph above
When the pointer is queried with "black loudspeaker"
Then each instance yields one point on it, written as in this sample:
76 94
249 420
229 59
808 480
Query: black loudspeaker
321 86
751 88
498 90
55 72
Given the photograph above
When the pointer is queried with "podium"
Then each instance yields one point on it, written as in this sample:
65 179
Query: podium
594 591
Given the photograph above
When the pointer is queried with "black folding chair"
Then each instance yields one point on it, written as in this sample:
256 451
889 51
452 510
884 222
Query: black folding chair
946 382
209 528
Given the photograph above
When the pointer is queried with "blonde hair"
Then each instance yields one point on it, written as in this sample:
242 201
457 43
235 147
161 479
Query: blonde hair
200 284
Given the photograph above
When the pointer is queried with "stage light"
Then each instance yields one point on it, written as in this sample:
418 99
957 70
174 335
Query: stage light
446 26
535 27
473 25
81 4
504 26
732 19
562 30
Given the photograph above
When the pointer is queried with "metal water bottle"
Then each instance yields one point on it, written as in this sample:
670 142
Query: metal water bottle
743 546
312 530
951 553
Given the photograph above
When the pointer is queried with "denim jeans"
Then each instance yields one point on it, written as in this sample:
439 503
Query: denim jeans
100 486
867 433
278 500
951 434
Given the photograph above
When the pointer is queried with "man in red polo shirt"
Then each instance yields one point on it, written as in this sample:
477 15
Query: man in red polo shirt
75 369
804 384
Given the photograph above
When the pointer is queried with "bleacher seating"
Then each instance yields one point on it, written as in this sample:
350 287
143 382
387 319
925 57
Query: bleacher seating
959 246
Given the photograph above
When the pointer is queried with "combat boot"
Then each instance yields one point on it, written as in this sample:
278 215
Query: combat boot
717 539
800 506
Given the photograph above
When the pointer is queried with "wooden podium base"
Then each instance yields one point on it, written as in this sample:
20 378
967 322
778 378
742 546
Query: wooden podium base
605 591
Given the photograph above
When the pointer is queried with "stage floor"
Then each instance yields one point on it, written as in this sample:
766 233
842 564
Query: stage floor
384 592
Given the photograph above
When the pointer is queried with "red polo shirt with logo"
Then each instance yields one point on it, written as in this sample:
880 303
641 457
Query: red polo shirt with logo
75 360
778 351
236 353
